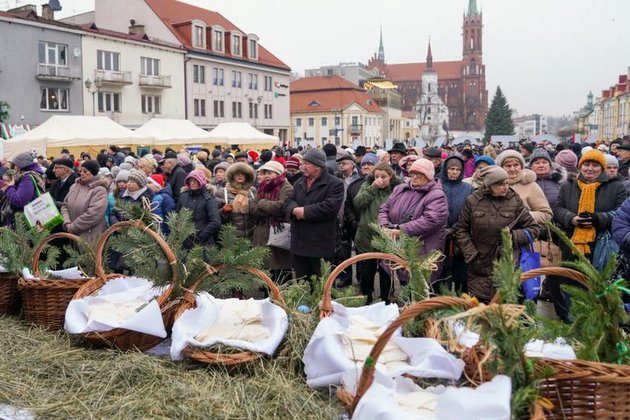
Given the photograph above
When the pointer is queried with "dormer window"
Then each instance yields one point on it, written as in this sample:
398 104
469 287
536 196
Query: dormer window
252 47
313 104
217 40
198 34
236 45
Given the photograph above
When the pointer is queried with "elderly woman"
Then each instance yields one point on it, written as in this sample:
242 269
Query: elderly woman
26 184
147 164
267 210
236 197
480 163
203 205
405 164
549 176
585 209
418 208
486 212
84 207
523 182
218 179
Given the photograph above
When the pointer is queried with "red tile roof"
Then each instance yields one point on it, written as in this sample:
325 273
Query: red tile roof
91 27
328 93
306 84
413 71
175 13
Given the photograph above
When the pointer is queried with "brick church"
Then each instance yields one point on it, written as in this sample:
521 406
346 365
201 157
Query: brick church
461 84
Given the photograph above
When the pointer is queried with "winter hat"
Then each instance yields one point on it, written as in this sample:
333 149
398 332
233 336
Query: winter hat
183 159
433 152
602 148
595 156
454 161
91 165
330 149
317 157
126 166
344 155
130 159
253 155
122 175
493 174
158 179
104 172
23 160
198 176
539 154
567 159
201 155
139 177
424 166
158 157
273 166
361 151
280 159
216 153
241 155
586 149
292 163
266 155
528 146
407 159
369 159
611 161
486 159
64 162
220 165
506 154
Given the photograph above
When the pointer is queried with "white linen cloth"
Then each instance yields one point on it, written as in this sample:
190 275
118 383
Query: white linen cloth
326 361
206 319
72 273
121 303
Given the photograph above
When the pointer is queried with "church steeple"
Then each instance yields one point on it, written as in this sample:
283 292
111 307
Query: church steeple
381 50
472 7
429 56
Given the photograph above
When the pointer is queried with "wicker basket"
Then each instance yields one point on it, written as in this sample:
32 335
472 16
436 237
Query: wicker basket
225 359
44 302
326 304
121 338
10 299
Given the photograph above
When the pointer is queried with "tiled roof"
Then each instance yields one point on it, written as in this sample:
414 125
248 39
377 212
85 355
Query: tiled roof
175 13
322 83
327 93
413 71
90 27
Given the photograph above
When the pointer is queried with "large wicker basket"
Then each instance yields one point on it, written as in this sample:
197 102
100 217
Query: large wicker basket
121 338
10 299
225 359
44 302
326 308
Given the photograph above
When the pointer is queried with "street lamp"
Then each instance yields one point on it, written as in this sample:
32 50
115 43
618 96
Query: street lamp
93 87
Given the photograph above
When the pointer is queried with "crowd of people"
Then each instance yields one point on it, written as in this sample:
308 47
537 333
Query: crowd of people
455 199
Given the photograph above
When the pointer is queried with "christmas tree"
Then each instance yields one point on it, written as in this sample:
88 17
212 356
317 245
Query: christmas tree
499 118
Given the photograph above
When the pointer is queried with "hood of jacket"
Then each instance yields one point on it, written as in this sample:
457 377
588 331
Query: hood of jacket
444 169
527 177
243 168
558 174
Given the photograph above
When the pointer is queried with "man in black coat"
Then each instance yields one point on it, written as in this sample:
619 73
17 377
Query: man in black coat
312 209
63 169
176 176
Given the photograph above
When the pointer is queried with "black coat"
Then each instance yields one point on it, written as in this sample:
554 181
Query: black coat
351 215
58 191
176 180
205 214
314 236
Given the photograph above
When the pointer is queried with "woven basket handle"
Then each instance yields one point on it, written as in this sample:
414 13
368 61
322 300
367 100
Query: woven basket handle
102 241
326 305
48 239
418 308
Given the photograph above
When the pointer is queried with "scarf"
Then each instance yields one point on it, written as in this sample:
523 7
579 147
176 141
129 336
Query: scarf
582 236
240 204
270 190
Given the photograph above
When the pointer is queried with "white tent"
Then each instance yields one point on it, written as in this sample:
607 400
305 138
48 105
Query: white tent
168 132
74 132
242 134
541 138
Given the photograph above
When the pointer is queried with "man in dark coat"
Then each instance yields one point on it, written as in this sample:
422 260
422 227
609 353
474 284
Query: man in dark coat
64 173
623 155
397 152
312 208
176 176
331 157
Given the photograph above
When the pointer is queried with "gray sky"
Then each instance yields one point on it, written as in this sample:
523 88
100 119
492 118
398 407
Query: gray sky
545 54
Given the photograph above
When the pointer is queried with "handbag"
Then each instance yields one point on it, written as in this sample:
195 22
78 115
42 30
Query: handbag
530 260
550 253
604 249
42 212
280 236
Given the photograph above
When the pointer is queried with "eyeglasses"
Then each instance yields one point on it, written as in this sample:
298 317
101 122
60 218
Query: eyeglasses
415 174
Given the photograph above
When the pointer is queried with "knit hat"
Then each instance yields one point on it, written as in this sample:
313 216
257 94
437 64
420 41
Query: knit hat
273 166
64 162
567 159
130 159
602 148
104 172
528 146
369 159
330 149
158 179
594 155
611 161
292 163
198 176
317 157
126 166
23 160
539 154
424 166
506 154
220 165
266 155
201 155
216 153
92 166
280 159
183 159
493 174
241 155
122 175
586 149
486 159
138 177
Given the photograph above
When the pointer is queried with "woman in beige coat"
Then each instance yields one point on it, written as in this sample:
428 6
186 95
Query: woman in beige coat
523 182
84 207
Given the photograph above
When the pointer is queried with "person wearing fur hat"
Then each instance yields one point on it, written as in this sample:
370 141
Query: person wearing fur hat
523 182
26 184
585 210
268 211
486 212
418 208
549 176
84 207
235 198
204 207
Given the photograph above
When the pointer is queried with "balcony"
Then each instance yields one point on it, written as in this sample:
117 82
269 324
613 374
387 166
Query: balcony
112 77
156 82
355 129
57 73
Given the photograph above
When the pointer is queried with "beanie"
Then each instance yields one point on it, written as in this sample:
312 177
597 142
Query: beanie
486 159
220 165
528 146
138 177
183 159
280 159
216 153
507 154
92 166
198 176
122 175
567 159
424 166
539 154
159 179
369 159
273 166
493 174
130 159
433 152
201 155
593 155
266 155
293 163
104 172
330 149
126 166
317 157
611 161
23 160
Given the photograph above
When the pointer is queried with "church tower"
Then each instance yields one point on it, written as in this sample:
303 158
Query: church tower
378 61
474 98
431 111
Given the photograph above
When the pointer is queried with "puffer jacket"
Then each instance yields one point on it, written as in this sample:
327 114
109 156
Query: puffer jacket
368 202
205 214
244 222
84 208
532 195
478 233
552 183
22 192
456 191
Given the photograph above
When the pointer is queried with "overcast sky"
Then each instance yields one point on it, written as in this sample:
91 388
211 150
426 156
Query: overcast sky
545 54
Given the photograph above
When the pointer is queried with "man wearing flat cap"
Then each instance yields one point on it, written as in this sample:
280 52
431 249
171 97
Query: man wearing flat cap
397 152
63 168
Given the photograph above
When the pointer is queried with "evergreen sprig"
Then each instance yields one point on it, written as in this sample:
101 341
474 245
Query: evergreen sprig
17 247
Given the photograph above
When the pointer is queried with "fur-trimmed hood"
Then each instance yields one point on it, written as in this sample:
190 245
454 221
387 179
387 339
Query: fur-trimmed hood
558 174
243 168
527 177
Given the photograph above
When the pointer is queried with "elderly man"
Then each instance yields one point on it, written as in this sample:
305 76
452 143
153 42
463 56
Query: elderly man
63 168
434 154
176 176
623 155
397 152
312 209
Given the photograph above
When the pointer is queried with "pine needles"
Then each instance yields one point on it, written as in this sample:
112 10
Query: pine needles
18 247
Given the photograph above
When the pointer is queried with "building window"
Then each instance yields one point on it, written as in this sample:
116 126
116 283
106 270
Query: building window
268 112
236 79
337 121
324 121
355 120
298 122
107 60
199 74
199 36
236 45
53 54
253 49
151 104
237 110
150 66
217 76
268 83
253 81
200 107
311 122
108 102
218 41
54 99
219 109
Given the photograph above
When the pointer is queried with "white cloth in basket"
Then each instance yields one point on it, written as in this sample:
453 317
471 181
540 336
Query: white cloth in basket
254 325
72 273
124 302
326 359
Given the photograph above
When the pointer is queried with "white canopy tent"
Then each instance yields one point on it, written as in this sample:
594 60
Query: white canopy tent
168 132
76 133
466 138
541 138
242 134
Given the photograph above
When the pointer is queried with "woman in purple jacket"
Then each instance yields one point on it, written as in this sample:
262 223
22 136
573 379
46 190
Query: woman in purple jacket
27 184
418 208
